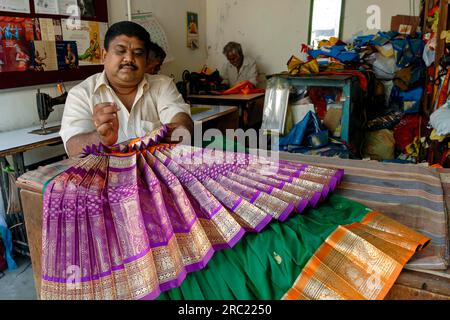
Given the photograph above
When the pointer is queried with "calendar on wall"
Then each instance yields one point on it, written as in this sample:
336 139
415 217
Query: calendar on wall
157 33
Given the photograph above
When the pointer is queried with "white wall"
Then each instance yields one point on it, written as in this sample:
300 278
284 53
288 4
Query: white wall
171 14
272 31
269 31
355 20
18 109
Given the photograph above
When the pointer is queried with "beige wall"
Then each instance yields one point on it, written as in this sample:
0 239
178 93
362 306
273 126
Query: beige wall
271 31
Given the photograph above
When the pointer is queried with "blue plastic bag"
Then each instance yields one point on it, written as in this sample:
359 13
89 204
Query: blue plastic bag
6 236
407 101
308 133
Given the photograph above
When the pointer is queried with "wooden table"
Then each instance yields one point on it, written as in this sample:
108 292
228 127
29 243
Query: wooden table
15 144
250 106
216 117
339 81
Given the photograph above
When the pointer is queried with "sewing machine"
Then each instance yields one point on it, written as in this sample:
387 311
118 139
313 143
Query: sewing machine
45 105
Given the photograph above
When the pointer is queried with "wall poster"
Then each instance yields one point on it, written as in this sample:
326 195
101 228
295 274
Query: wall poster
192 31
20 6
89 36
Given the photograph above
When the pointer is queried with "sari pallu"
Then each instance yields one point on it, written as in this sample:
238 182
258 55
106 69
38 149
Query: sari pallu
129 222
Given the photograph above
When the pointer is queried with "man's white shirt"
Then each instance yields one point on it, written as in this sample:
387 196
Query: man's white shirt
249 71
157 102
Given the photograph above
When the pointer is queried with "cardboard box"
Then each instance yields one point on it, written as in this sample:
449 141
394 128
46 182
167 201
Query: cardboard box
407 25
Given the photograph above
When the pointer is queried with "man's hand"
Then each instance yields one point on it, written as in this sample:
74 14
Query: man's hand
107 123
180 130
175 138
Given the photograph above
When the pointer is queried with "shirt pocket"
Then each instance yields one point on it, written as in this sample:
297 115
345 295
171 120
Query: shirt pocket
149 126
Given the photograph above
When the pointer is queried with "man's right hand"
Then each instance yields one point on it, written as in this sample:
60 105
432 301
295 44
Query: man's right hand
106 122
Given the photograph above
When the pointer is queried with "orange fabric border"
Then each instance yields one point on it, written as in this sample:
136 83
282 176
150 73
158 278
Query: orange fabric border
309 284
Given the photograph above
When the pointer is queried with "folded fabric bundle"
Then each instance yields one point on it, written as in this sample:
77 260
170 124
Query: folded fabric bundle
132 221
408 102
244 87
388 121
339 52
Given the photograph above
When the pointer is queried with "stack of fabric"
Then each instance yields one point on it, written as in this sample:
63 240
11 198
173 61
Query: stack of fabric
132 221
391 71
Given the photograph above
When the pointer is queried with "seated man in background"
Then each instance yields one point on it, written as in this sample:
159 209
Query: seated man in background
122 102
157 55
238 68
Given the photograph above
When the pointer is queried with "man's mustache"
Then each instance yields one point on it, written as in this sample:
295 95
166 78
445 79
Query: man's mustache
129 65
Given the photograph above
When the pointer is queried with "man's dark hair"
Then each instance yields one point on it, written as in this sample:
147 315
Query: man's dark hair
129 29
156 52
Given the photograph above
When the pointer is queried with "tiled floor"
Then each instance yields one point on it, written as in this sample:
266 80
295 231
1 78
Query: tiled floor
18 284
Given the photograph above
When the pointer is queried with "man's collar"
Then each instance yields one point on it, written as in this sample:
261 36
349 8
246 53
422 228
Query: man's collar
144 84
245 62
103 81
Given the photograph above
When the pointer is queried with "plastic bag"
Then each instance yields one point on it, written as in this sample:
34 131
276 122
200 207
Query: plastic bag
275 105
308 132
429 53
407 101
383 67
380 145
5 235
440 120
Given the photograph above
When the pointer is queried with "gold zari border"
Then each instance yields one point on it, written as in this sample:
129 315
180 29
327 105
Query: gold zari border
360 261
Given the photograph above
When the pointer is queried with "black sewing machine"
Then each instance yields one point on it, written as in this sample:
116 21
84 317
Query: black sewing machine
45 105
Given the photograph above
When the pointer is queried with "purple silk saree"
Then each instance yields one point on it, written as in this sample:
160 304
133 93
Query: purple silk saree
131 221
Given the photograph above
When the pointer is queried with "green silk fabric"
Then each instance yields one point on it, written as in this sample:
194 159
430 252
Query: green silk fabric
264 266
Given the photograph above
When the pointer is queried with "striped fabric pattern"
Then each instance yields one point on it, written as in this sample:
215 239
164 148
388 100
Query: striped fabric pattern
415 196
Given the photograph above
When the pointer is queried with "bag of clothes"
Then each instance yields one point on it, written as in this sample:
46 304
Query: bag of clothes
6 250
407 101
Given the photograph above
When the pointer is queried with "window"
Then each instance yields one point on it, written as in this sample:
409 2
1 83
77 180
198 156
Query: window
326 20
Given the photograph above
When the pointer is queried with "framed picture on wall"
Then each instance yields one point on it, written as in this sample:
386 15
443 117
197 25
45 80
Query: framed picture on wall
192 30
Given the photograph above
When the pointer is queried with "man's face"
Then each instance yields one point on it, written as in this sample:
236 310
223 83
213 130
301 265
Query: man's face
235 59
154 66
125 61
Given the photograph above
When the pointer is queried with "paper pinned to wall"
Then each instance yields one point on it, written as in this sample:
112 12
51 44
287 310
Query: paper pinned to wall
46 6
21 6
89 36
157 33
